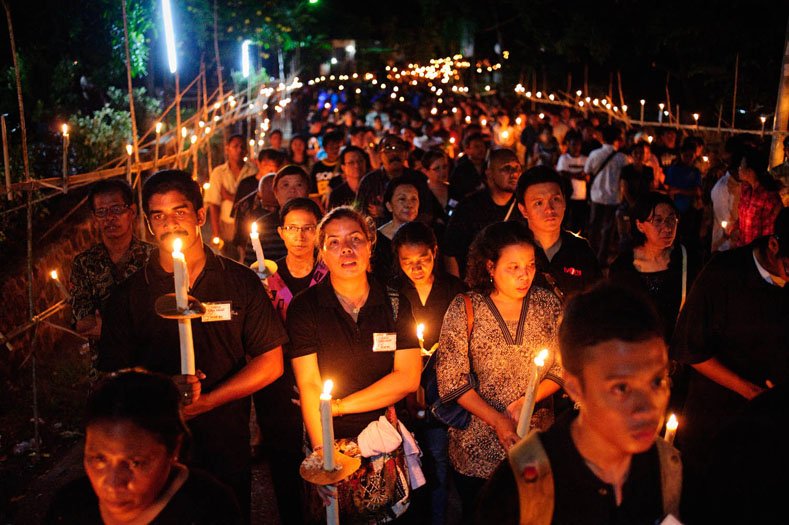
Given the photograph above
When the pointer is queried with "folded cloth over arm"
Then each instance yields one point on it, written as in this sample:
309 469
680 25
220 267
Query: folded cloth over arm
380 437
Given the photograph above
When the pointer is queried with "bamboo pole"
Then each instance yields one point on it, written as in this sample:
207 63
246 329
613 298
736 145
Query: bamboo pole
133 116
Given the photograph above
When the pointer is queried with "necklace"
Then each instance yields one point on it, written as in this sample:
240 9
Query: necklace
350 305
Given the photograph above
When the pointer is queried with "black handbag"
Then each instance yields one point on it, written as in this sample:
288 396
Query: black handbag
446 409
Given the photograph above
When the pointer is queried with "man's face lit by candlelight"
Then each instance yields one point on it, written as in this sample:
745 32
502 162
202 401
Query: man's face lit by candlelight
171 215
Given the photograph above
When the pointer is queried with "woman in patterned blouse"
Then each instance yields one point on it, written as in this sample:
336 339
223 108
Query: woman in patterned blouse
513 321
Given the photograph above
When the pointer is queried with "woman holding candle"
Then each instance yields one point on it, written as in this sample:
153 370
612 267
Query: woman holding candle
512 322
134 434
429 291
347 329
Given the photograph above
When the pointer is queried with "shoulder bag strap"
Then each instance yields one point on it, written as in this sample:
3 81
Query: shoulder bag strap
604 164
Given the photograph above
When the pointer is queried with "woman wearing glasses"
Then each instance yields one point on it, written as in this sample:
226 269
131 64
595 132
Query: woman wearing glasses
279 420
656 264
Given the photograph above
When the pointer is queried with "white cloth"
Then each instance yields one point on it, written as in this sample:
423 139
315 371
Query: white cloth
605 188
725 195
574 166
222 177
380 437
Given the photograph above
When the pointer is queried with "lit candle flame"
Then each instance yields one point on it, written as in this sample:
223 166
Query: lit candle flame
420 331
158 127
177 245
327 387
64 129
672 423
184 132
129 149
54 274
541 357
254 228
724 224
206 185
215 240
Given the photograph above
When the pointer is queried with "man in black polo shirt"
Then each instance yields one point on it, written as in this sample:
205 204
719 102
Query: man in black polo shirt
237 352
495 203
603 464
565 261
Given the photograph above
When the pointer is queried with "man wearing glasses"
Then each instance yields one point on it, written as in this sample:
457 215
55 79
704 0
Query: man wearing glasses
99 269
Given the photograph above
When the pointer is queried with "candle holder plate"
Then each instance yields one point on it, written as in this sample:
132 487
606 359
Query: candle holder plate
312 469
167 307
271 268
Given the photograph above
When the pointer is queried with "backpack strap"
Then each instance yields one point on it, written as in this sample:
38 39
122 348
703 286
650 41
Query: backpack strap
534 480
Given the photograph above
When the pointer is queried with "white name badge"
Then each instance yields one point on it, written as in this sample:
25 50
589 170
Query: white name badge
219 311
384 342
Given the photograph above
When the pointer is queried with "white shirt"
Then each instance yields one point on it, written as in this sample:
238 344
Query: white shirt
222 177
605 188
767 276
724 195
574 165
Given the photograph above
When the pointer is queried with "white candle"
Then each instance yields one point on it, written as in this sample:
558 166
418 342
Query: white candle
528 402
181 275
255 238
642 109
724 224
327 426
671 429
54 275
64 128
660 113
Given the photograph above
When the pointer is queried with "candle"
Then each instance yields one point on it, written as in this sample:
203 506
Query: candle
696 119
129 151
327 426
420 334
254 236
64 128
528 403
181 276
764 120
660 113
671 429
642 109
724 224
54 275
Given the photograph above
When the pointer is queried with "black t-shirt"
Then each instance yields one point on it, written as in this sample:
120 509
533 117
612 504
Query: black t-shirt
469 218
465 179
579 495
639 183
201 500
322 174
342 195
574 267
318 324
134 335
245 208
294 284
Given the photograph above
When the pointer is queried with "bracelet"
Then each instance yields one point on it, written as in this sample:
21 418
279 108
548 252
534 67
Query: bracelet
337 407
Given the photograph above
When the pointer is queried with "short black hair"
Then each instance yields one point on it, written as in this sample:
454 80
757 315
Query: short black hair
414 233
643 210
335 136
431 156
235 136
355 130
274 155
402 180
148 400
275 132
603 313
537 175
471 137
290 169
303 204
354 149
108 187
171 180
611 133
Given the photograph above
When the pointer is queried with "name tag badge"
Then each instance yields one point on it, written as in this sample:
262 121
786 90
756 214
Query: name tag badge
219 311
384 342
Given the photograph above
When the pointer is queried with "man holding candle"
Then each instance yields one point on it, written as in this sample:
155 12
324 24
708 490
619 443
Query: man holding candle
237 343
603 463
99 269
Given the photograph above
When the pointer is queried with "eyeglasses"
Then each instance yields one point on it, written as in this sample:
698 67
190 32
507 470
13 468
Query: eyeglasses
292 229
669 222
116 211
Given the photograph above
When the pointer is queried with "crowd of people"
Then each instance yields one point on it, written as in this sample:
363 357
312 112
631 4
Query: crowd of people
424 258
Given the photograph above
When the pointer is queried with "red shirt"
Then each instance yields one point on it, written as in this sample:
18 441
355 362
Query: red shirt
758 208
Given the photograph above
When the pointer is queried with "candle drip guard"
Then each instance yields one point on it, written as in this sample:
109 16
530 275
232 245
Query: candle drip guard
167 307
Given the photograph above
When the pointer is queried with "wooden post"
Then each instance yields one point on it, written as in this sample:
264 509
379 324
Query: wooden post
6 160
734 93
133 116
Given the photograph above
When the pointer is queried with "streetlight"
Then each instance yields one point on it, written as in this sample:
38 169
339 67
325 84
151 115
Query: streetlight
245 58
172 60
